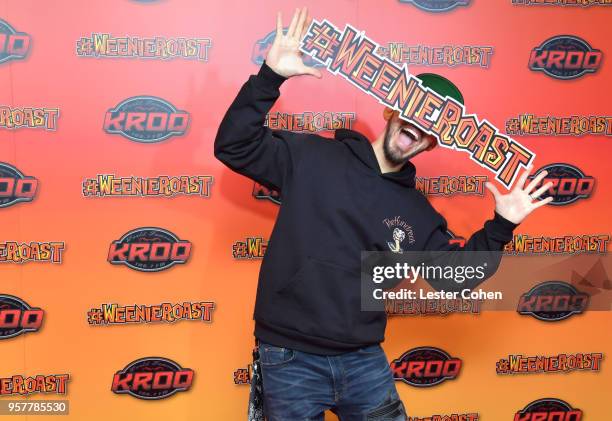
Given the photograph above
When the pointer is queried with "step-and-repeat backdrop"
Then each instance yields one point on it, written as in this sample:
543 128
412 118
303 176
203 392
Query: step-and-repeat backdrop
129 255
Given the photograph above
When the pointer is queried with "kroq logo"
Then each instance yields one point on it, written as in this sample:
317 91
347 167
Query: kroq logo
262 46
146 119
14 186
152 378
565 57
553 301
17 317
437 5
13 44
548 409
569 183
425 366
149 249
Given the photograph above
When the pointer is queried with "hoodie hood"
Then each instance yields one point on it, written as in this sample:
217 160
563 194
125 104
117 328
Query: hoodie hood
362 148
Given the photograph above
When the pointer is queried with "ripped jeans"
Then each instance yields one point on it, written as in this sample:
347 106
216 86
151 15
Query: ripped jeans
356 386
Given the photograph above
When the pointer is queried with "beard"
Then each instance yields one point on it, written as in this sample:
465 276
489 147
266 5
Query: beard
393 156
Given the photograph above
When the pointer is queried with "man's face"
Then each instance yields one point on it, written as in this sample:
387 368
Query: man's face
404 140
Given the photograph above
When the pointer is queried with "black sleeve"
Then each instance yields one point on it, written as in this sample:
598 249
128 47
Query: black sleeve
495 234
484 248
248 147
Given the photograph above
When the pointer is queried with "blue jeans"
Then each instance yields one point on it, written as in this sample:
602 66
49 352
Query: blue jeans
356 386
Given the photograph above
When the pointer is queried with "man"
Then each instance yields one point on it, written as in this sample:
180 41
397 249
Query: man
318 350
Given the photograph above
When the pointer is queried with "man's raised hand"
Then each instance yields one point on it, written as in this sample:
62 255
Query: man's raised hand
521 201
284 56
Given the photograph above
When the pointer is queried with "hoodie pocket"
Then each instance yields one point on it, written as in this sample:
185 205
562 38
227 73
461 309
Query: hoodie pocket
323 300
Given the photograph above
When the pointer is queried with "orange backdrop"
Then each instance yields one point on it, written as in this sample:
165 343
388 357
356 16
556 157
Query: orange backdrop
84 88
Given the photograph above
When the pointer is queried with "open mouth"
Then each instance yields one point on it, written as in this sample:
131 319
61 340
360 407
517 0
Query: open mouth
407 137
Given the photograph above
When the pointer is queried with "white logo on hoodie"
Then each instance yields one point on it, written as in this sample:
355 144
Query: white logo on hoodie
401 231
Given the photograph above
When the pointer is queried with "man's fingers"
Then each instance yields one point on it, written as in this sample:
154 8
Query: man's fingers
306 26
536 181
541 190
293 23
491 187
300 25
279 24
523 177
542 202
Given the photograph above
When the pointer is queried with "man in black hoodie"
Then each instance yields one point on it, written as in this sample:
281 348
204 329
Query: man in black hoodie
340 196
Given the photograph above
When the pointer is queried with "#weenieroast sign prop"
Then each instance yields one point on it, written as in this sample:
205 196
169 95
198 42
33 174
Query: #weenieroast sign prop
353 55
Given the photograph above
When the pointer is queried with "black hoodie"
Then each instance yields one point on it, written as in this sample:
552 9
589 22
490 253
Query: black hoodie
336 203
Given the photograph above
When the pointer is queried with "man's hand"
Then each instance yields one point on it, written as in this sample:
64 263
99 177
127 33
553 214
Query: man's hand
284 56
516 205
